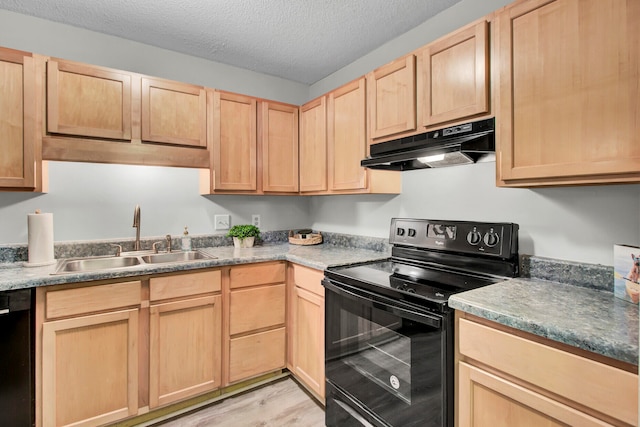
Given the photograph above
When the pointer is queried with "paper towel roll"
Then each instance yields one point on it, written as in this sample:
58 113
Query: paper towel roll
40 230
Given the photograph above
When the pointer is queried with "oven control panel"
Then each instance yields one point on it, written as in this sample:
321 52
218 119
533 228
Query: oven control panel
495 239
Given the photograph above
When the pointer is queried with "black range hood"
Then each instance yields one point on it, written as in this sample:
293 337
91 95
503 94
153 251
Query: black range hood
455 145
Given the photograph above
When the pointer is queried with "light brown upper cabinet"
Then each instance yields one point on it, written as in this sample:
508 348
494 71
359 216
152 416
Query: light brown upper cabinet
87 100
454 76
234 154
347 145
347 136
101 115
18 112
174 113
313 145
391 98
568 108
278 130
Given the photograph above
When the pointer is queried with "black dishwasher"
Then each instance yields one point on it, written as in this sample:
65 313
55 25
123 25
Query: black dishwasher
16 357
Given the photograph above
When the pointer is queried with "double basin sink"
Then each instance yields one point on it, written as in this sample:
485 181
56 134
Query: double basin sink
80 265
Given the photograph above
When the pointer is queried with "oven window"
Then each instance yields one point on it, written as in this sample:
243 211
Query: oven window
379 353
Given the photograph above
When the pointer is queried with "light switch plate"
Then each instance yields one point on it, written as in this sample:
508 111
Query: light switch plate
222 222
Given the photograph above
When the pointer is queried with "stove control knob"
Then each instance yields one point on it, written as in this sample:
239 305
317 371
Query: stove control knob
412 232
491 239
474 237
400 231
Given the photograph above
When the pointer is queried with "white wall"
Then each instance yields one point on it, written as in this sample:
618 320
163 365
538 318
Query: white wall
96 201
571 223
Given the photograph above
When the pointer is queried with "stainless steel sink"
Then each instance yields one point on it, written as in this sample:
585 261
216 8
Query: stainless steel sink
98 263
175 257
80 265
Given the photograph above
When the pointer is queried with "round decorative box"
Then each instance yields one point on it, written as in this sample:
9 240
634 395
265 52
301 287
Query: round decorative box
304 237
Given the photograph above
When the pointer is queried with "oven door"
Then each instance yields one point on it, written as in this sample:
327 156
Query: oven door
387 361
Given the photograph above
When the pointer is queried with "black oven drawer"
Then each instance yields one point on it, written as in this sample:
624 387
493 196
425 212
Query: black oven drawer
345 412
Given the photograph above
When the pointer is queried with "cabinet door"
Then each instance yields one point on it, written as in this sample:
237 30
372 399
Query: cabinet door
234 142
568 100
313 146
455 76
347 136
487 400
17 120
308 339
279 135
184 351
174 113
90 369
83 100
392 98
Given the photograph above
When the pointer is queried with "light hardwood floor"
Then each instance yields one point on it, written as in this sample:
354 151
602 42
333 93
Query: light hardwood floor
283 403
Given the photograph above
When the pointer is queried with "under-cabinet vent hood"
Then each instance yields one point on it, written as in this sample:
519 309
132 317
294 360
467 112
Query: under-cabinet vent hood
456 145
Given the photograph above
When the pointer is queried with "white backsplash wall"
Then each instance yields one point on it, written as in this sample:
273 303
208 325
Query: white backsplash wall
571 223
96 201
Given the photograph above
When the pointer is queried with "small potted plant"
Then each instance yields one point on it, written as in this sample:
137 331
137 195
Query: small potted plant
244 235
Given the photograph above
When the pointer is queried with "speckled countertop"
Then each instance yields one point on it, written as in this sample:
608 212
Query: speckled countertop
17 276
590 319
571 303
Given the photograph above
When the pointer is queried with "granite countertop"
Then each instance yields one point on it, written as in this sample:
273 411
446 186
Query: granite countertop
17 276
590 319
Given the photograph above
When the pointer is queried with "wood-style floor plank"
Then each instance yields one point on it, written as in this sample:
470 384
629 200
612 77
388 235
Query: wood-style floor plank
282 403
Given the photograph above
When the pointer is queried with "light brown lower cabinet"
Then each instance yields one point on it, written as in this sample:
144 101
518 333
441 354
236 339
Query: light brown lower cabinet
184 350
256 335
89 361
509 378
185 330
307 329
113 350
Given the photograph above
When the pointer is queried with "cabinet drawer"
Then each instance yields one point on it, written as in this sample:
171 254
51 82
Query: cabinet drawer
184 285
72 302
256 308
256 354
258 274
309 279
595 385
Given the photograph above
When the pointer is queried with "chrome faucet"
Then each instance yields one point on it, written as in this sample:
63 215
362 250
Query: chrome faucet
136 225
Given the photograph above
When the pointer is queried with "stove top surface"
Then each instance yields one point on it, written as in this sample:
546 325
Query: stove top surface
406 281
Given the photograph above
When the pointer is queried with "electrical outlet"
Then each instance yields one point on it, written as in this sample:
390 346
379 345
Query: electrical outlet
222 222
255 220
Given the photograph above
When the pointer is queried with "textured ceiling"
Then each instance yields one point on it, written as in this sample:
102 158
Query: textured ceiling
299 40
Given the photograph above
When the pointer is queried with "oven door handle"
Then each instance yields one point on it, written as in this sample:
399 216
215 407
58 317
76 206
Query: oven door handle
424 318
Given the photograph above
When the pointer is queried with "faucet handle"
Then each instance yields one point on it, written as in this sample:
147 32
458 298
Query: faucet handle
168 239
118 248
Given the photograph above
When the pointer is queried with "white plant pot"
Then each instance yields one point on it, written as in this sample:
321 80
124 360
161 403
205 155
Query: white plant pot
247 242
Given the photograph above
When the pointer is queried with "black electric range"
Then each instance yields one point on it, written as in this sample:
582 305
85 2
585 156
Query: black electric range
389 331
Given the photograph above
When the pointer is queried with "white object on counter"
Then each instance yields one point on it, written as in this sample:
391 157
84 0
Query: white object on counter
40 231
186 240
